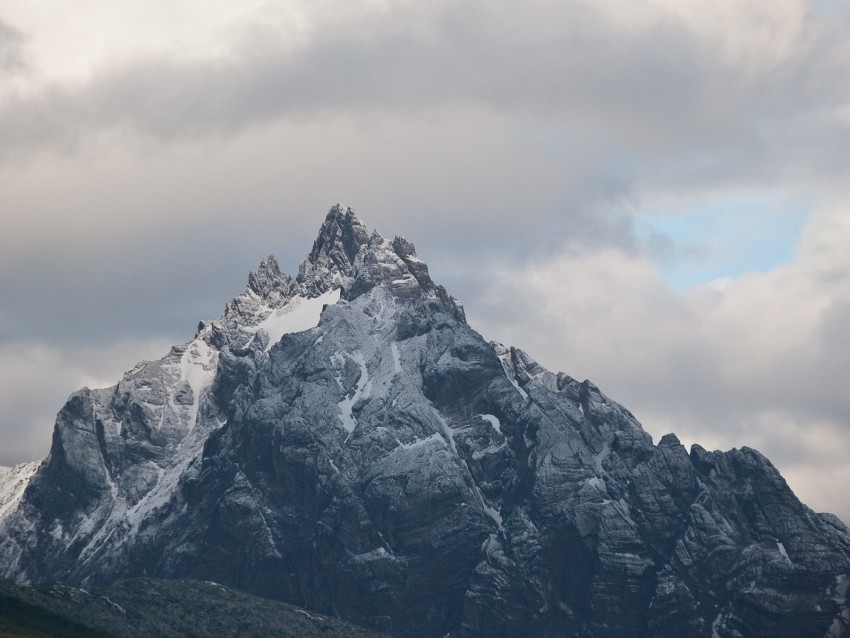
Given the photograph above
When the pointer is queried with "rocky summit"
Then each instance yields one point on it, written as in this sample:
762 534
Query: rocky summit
344 441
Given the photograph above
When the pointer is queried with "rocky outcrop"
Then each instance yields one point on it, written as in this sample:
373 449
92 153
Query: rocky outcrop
347 442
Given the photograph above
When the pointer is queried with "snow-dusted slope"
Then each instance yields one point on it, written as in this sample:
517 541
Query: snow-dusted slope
13 482
122 451
347 442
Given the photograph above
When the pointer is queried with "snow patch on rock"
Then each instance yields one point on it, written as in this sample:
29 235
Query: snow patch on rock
362 390
505 357
297 315
197 367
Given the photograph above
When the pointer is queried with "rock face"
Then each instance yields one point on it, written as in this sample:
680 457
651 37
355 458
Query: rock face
345 442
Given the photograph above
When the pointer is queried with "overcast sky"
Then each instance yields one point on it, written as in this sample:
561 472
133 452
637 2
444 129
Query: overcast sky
653 195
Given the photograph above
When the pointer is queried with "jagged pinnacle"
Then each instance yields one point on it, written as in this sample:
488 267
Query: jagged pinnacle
334 251
268 279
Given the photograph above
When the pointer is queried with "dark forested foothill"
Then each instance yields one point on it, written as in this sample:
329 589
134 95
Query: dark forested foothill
151 608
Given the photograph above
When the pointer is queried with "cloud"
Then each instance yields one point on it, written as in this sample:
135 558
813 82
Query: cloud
574 115
760 361
650 80
12 58
151 241
36 379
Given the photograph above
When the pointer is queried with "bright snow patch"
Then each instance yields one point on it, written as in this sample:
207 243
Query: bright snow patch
296 316
362 390
198 366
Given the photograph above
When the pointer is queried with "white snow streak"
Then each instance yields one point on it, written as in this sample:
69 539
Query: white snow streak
362 390
396 357
420 442
309 615
490 511
450 439
198 366
167 482
506 367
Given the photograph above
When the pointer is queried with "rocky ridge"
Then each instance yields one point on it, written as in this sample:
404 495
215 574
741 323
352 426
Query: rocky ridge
346 442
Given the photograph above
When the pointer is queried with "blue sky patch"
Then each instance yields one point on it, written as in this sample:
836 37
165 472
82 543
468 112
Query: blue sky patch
722 238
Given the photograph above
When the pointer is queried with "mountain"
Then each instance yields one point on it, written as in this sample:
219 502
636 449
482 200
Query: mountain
151 608
346 442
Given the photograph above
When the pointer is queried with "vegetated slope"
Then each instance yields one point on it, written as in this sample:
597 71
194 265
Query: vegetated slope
22 616
346 442
151 608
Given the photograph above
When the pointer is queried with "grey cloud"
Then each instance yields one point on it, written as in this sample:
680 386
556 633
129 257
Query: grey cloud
652 90
132 242
832 352
12 41
126 286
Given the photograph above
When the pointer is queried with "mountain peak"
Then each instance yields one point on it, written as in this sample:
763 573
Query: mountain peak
355 431
331 260
346 256
268 280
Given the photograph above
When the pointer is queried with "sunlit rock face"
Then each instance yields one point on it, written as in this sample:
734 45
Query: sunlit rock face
345 441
